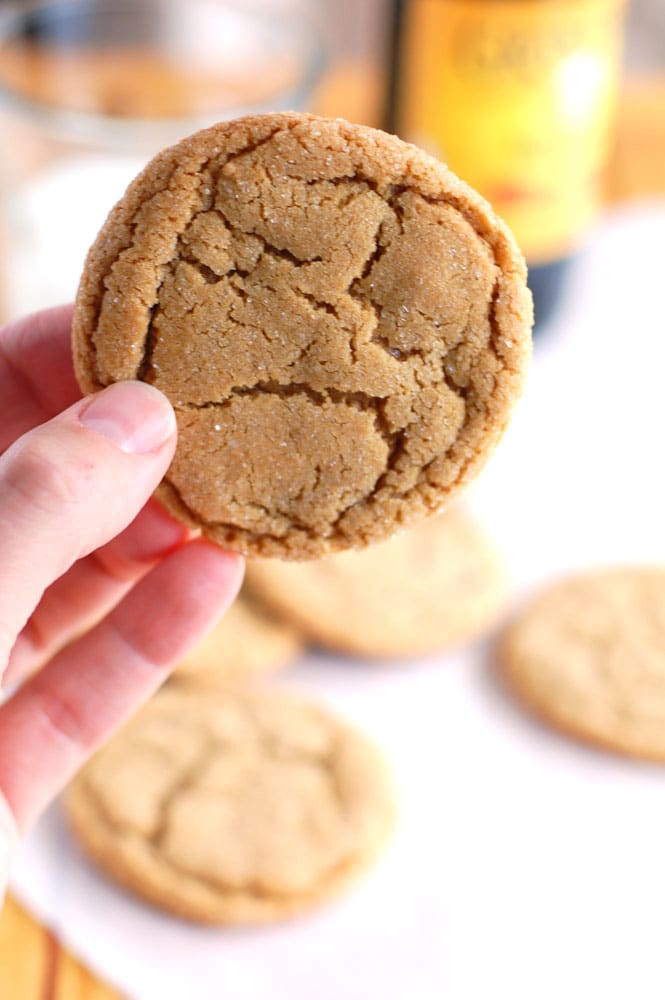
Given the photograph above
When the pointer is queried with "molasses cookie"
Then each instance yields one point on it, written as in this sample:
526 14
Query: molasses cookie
341 324
233 808
432 587
587 655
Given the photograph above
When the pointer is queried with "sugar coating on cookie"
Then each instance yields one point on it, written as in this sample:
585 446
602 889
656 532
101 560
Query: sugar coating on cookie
587 654
249 641
430 588
340 323
233 808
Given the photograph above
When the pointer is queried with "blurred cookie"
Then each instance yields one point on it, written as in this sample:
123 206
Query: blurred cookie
232 808
249 640
341 324
587 655
431 587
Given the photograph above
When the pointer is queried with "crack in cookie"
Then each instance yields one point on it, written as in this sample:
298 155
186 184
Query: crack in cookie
233 806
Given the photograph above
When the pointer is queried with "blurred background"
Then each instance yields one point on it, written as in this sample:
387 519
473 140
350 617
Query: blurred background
555 110
549 109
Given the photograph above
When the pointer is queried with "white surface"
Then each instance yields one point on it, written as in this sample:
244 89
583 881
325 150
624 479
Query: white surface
524 867
49 241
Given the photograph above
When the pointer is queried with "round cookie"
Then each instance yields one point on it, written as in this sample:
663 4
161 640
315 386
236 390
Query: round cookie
232 808
429 588
250 640
341 324
587 655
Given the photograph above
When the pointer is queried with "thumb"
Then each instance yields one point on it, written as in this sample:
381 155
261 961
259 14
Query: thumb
71 485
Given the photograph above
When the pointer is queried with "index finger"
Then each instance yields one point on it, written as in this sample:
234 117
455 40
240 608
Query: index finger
55 721
36 371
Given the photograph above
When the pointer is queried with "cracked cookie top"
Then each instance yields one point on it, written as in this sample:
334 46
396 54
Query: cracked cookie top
233 807
340 323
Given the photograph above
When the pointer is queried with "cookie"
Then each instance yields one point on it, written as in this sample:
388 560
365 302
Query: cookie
232 808
340 323
587 655
250 640
430 588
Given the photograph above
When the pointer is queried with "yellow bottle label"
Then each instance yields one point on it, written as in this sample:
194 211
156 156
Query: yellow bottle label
517 96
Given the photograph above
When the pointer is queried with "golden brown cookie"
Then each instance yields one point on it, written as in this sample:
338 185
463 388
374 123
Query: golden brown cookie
587 655
429 588
249 640
232 808
340 323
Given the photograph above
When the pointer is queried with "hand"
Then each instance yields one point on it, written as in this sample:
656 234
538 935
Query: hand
80 543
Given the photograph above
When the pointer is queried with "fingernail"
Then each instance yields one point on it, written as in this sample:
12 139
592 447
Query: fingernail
135 416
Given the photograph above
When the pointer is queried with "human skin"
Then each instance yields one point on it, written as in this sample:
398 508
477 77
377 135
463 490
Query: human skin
103 591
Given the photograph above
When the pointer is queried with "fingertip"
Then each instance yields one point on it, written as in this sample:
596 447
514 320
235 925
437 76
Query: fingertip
218 568
179 600
157 521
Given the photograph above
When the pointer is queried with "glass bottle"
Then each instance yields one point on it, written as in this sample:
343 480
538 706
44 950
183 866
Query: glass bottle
518 98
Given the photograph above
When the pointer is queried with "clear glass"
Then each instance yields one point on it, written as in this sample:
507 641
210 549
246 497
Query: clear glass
91 89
